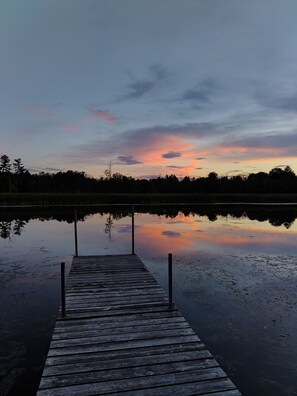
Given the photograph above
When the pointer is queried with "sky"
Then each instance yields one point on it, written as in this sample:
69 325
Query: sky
149 87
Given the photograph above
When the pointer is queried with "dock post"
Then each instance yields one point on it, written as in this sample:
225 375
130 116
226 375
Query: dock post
75 232
133 252
170 304
63 300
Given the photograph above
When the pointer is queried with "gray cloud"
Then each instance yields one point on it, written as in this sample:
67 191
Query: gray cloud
264 146
200 158
190 130
201 93
175 167
171 154
128 160
171 234
46 170
276 140
276 95
138 87
289 103
149 177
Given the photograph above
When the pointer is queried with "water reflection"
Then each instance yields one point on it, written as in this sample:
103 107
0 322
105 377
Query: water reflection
235 281
108 225
15 227
14 220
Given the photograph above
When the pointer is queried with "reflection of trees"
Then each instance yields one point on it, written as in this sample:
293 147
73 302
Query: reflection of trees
279 222
14 227
18 226
212 217
14 220
108 226
5 229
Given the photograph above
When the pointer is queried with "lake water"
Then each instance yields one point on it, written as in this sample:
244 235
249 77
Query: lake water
235 281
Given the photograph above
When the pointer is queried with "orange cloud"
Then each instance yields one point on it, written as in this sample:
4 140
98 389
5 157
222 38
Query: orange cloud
103 115
152 152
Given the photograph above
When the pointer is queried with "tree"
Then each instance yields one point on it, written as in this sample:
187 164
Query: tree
18 167
288 171
108 172
5 165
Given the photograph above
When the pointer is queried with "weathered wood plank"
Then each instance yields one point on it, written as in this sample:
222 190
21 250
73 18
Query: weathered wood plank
103 362
224 386
78 314
129 384
138 317
151 350
126 373
91 332
121 345
102 339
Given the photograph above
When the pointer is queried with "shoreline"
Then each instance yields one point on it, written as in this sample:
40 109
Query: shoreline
138 199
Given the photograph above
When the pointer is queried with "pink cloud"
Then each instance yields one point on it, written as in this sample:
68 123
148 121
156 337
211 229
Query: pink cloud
103 115
71 128
36 110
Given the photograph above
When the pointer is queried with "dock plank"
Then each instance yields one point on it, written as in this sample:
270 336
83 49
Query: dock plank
119 337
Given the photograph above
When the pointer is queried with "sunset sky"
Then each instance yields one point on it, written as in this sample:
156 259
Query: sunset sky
155 87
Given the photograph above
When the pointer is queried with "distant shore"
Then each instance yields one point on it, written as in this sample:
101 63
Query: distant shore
72 199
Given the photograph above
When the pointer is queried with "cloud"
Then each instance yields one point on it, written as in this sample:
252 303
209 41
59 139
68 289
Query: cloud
171 234
37 110
280 140
188 130
202 92
146 144
171 154
259 148
128 160
46 170
175 166
59 105
103 115
138 87
201 158
289 103
71 128
235 171
149 177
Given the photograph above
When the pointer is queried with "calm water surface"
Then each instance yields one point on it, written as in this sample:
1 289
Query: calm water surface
235 280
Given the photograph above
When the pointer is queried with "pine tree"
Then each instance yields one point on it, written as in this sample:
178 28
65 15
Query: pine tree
5 165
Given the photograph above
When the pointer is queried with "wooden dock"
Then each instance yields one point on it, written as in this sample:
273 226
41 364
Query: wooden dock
119 337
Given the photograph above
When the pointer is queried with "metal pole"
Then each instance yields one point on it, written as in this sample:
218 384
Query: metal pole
75 232
133 252
63 300
170 304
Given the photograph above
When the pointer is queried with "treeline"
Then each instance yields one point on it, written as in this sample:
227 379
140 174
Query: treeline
15 178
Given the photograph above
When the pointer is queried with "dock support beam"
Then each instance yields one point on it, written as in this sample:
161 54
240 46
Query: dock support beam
63 299
170 304
75 232
133 234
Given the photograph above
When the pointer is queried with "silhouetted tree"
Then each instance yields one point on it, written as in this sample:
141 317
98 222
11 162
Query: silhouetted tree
5 165
18 167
